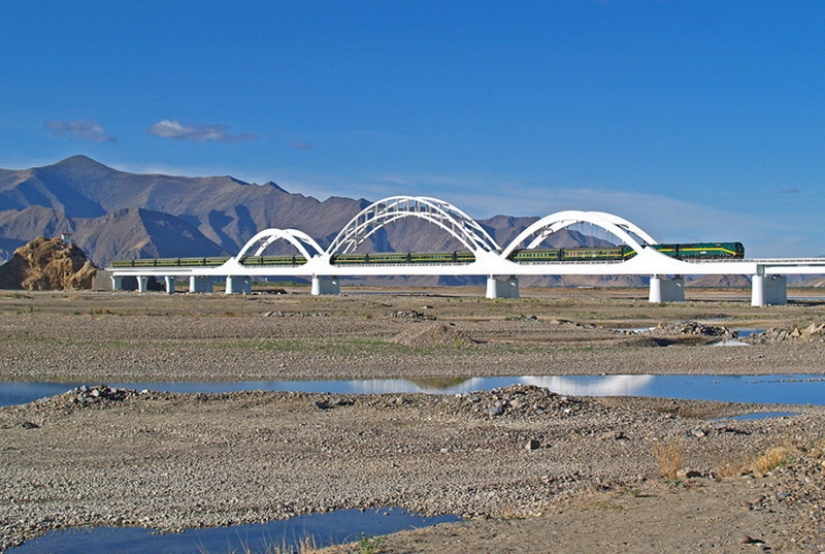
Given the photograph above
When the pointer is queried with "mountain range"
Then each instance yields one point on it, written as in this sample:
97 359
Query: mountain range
114 214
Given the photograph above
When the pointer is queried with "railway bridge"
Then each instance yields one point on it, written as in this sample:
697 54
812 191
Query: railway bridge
481 256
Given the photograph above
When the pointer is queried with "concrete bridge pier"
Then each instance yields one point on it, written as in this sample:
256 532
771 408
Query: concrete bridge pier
769 289
667 290
325 285
502 288
198 283
117 283
170 284
143 283
238 285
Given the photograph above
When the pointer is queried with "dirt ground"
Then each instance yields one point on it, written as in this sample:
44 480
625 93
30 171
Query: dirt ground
529 470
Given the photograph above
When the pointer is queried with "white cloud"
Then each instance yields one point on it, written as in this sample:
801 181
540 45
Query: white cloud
79 130
173 129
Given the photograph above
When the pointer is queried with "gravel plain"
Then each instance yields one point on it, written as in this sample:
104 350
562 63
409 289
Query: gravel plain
529 470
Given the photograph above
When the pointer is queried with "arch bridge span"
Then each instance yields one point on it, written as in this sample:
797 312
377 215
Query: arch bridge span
484 256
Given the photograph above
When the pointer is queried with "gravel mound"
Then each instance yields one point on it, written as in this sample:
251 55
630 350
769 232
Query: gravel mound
427 334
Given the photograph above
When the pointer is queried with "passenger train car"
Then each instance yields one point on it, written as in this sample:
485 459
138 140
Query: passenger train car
690 251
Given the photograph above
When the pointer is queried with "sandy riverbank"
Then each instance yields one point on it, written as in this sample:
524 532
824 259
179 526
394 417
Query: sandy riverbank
589 481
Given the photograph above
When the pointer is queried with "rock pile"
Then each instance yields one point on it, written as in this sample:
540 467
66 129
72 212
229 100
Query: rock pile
520 402
693 328
413 314
815 332
48 264
85 395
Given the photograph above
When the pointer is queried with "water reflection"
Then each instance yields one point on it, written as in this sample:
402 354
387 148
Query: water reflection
609 385
770 389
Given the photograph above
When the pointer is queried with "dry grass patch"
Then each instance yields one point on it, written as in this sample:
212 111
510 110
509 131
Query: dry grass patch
771 459
670 455
760 466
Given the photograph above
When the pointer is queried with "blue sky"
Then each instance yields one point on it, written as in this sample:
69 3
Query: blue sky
695 119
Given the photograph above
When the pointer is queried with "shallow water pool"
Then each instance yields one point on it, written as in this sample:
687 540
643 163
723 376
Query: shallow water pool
763 389
337 527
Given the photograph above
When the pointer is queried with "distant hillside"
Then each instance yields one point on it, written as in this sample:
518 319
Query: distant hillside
81 194
114 214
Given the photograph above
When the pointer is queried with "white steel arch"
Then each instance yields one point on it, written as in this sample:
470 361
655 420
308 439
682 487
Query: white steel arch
546 226
443 214
305 244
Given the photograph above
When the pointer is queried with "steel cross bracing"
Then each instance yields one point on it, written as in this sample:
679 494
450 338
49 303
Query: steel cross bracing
490 258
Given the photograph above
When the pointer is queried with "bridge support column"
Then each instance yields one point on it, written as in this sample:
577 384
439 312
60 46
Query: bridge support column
200 284
117 283
769 289
238 285
170 284
325 285
667 290
502 288
143 283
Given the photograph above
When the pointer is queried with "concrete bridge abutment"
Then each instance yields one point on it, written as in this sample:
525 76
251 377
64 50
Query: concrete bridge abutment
325 285
502 288
667 290
769 289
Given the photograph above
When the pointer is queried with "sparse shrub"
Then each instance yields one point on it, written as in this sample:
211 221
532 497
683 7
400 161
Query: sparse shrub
670 456
370 545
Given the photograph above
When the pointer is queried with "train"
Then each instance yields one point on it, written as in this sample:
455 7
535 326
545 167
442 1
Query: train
688 251
172 262
389 258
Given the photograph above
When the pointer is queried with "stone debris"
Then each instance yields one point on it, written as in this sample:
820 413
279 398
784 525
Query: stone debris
576 324
815 332
332 403
93 395
413 314
280 313
521 401
693 328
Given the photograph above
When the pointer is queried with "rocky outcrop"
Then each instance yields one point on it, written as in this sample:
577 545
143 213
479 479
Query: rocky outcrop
48 264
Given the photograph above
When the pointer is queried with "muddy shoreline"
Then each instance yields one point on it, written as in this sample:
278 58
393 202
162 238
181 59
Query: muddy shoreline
520 464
